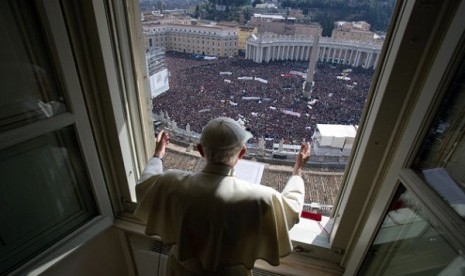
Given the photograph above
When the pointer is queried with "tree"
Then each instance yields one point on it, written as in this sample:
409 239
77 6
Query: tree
255 2
196 12
327 23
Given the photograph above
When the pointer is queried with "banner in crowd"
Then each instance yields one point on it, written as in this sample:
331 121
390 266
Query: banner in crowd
261 80
289 112
250 98
159 83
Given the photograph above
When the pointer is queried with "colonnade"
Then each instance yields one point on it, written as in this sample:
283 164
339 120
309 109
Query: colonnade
352 53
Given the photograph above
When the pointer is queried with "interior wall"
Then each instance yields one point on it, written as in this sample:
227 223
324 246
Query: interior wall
103 255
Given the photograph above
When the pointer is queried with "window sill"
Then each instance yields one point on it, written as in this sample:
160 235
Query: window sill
48 258
311 239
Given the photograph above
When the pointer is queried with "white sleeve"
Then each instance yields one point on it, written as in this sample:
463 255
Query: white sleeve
153 167
293 197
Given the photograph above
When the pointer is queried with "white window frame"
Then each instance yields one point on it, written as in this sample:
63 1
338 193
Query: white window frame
444 53
50 12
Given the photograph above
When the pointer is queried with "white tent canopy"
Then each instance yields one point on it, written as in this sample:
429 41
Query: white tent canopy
335 136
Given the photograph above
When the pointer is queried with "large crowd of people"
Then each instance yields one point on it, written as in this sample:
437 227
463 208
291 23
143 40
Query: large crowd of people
266 97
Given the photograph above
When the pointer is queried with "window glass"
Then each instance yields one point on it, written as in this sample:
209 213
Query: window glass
45 191
44 194
441 159
410 243
29 84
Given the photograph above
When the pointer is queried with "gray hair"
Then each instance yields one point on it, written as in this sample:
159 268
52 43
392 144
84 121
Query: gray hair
222 156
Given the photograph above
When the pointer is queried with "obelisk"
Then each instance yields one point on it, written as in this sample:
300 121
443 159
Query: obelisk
308 84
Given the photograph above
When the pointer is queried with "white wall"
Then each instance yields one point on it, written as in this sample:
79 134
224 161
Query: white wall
103 255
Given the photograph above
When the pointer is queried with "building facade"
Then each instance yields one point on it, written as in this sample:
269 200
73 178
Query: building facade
354 31
268 47
175 20
283 25
243 34
218 41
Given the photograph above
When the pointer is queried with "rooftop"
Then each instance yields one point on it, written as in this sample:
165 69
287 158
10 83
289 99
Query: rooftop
329 130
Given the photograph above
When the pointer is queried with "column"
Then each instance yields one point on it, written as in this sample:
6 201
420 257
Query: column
350 56
252 52
255 54
370 63
367 60
376 61
360 58
355 59
268 54
256 51
357 63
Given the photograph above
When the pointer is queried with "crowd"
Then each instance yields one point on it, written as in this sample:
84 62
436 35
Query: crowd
274 109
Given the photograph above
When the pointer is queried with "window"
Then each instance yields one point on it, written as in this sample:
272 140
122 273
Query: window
440 64
49 189
414 231
409 242
225 45
413 58
400 66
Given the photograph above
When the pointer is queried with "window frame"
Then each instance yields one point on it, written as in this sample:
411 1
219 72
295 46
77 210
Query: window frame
56 34
442 54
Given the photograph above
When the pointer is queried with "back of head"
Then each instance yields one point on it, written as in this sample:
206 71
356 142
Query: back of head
222 139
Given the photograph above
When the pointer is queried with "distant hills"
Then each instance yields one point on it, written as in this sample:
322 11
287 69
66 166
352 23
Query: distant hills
376 12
